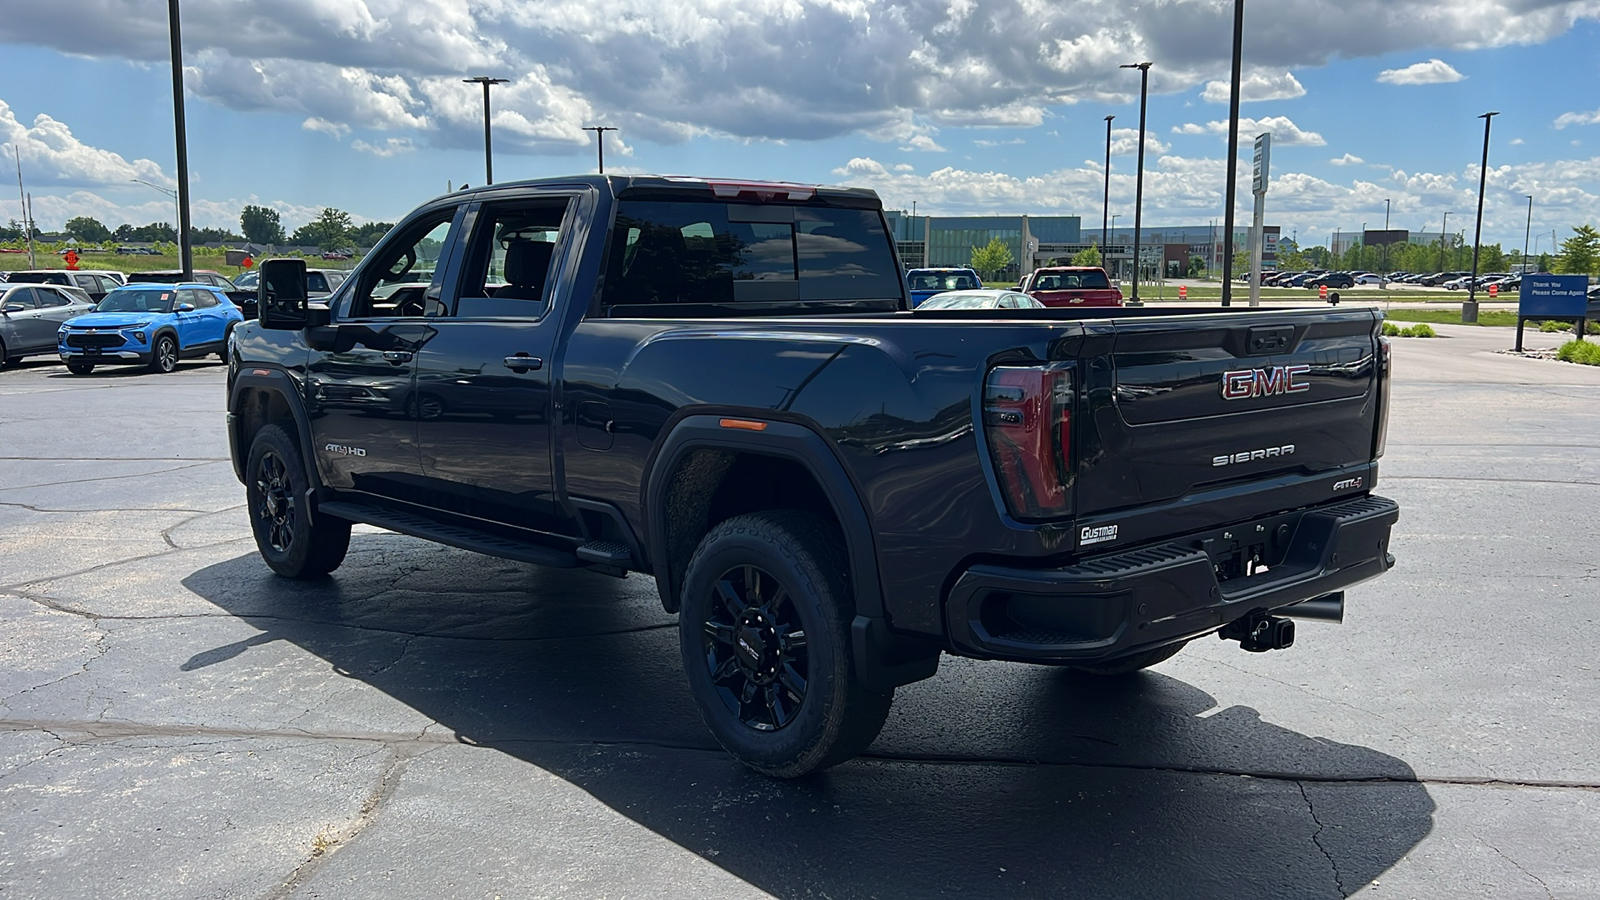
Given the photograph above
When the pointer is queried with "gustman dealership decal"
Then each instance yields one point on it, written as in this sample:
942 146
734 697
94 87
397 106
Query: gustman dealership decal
1097 535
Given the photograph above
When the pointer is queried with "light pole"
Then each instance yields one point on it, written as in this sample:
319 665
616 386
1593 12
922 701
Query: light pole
1469 309
1105 205
1108 250
1233 155
1525 232
600 142
185 251
1383 277
1442 229
488 154
1138 190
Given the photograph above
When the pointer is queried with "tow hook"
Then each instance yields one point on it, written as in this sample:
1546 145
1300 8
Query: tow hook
1259 632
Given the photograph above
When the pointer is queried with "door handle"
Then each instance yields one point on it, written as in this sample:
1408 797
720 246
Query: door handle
523 363
397 357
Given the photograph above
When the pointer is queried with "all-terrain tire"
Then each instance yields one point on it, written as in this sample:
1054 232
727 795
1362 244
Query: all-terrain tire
290 542
765 637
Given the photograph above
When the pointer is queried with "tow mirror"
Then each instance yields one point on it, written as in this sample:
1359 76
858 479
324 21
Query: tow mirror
281 294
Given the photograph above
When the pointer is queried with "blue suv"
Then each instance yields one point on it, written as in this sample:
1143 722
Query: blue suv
149 325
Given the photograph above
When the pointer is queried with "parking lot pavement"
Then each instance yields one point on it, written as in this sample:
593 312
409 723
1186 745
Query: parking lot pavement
177 722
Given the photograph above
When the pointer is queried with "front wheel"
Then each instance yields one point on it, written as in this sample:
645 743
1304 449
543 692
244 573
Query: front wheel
80 368
765 637
275 492
164 355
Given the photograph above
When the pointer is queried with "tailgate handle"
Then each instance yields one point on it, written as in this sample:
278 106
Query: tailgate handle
1270 340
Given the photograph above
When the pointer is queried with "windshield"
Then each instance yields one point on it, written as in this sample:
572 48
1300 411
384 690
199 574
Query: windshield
38 278
138 300
942 281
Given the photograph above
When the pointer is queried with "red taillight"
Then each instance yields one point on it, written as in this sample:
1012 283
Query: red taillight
1383 398
1027 418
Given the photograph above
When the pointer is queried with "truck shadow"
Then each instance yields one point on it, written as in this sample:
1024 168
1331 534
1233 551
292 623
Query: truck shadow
989 780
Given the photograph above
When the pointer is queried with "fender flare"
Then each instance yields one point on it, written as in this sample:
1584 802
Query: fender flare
274 380
784 440
883 659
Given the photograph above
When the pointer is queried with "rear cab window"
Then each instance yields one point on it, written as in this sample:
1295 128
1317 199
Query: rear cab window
674 258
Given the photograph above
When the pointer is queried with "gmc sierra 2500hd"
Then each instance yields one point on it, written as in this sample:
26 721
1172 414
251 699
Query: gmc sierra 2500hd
721 384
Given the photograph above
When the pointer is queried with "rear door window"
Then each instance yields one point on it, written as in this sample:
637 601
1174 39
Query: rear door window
672 252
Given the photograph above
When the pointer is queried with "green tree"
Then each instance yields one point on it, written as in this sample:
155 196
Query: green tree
330 230
208 235
155 232
261 225
370 233
1581 252
1197 266
1088 256
88 230
991 259
1316 256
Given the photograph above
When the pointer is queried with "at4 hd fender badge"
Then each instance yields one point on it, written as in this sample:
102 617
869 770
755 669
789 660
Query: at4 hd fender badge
1098 534
347 451
1243 384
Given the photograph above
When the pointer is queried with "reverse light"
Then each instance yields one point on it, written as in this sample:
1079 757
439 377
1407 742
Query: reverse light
1027 419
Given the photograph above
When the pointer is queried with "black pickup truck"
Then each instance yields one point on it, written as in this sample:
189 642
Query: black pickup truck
721 384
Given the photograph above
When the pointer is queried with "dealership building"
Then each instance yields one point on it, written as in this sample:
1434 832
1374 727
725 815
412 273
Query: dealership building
1034 241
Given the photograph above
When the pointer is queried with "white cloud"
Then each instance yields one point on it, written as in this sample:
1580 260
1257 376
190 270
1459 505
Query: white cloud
1256 86
1125 142
1347 160
924 143
390 147
1434 71
1517 142
1577 118
1284 131
986 143
52 155
332 129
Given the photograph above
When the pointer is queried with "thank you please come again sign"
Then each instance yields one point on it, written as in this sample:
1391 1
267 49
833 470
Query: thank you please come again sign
1554 295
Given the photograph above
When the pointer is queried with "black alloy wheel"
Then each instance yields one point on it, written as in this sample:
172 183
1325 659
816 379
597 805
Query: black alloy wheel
765 637
293 543
755 648
164 355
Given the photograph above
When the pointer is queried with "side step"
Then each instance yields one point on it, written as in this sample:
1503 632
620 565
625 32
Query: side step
605 553
453 535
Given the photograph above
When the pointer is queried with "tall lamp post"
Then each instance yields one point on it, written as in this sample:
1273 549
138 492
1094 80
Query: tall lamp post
1233 156
1525 232
1138 190
1442 229
185 250
1105 206
600 142
1383 277
488 153
1113 269
1469 309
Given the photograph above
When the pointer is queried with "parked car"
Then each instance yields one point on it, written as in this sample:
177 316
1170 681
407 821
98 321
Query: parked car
244 299
1071 286
30 314
151 325
924 283
1372 278
94 283
1332 280
320 282
987 298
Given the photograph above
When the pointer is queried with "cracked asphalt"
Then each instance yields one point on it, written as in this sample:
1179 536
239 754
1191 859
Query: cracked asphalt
176 722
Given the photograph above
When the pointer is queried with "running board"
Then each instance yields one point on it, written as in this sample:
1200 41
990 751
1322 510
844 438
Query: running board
453 535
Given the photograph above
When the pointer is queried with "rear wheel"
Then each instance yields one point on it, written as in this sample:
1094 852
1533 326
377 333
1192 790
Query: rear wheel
80 368
1130 664
164 355
275 491
765 637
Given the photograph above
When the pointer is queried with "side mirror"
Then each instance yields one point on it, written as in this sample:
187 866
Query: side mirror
281 294
12 307
185 307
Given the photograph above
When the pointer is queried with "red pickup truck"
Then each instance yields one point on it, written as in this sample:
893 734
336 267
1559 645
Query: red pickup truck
1071 286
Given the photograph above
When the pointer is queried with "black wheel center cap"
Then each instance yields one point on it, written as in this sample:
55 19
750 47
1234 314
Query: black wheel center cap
756 644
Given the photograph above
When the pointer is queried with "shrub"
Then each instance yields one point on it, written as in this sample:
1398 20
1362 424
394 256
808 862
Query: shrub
1582 352
1390 329
1592 328
1421 329
1553 327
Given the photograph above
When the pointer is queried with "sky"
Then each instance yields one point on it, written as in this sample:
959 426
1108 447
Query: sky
950 107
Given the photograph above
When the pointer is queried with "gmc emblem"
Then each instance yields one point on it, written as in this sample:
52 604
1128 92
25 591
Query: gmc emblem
1246 383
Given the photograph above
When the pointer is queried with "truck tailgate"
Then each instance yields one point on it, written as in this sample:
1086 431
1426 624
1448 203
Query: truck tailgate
1220 418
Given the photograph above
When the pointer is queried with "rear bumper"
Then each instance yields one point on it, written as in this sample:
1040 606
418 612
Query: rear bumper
1123 603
